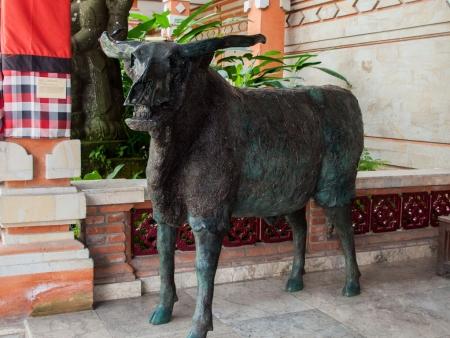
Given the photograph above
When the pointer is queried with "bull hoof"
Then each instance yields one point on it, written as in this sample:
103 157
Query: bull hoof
294 285
193 334
161 315
351 289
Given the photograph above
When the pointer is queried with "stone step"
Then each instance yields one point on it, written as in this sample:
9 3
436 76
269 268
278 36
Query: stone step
40 257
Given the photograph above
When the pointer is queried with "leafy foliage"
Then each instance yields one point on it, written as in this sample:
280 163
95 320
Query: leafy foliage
368 163
266 70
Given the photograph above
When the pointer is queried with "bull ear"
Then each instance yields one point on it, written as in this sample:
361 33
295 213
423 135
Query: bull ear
117 49
209 46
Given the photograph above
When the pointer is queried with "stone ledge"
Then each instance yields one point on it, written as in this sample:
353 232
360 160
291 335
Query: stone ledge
45 267
40 257
114 291
325 261
15 163
108 192
39 206
402 178
64 161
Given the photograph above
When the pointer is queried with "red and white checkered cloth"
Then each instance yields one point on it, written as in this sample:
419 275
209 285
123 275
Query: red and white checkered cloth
26 115
2 129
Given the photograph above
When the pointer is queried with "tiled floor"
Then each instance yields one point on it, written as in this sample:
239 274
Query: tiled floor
402 300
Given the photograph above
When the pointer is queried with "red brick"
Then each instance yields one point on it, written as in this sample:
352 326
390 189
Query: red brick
318 237
323 246
116 217
182 257
318 229
143 205
285 247
91 211
111 270
95 219
116 238
317 212
102 229
318 220
145 263
395 236
115 207
109 259
229 254
261 249
106 249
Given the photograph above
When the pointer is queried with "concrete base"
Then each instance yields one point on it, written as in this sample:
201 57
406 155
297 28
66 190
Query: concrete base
245 270
46 282
114 291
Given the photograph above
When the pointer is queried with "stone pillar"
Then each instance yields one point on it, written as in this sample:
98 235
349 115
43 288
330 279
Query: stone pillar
43 269
267 17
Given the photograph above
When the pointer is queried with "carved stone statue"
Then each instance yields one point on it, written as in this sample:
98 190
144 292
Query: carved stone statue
96 81
217 151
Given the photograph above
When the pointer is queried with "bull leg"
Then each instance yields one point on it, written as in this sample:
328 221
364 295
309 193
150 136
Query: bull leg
208 246
168 295
297 221
340 217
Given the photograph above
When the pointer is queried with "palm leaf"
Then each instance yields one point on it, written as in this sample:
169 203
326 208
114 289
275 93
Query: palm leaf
185 23
335 74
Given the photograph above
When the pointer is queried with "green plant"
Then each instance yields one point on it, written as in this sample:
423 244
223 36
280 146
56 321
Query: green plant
76 228
95 174
368 163
264 70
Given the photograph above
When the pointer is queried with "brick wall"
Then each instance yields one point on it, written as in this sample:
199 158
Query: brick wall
106 235
392 217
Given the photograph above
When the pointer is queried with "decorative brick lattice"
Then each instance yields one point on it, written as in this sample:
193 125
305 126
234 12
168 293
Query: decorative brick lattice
304 13
278 232
440 205
243 231
385 213
415 210
361 215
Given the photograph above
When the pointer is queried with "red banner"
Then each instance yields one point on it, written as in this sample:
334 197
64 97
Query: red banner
36 62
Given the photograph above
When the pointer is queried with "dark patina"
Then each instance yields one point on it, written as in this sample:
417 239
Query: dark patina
217 151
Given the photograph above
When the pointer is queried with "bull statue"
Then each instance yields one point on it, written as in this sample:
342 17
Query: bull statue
217 151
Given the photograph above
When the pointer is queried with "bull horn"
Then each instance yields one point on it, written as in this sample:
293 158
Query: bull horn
209 46
117 49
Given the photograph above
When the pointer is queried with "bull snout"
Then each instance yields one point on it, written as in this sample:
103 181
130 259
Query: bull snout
141 120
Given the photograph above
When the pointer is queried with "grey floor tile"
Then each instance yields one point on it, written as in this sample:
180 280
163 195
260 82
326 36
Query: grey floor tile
85 324
309 323
130 318
253 299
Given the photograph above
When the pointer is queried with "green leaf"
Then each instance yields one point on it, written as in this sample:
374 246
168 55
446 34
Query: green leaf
335 74
268 58
93 175
139 16
140 30
185 23
162 19
116 170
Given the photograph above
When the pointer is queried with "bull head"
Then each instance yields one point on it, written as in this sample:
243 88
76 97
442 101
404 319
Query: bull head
160 72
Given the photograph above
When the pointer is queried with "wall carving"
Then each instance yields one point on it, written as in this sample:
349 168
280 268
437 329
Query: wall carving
307 12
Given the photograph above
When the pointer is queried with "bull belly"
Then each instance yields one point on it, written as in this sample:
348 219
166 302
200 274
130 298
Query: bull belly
275 198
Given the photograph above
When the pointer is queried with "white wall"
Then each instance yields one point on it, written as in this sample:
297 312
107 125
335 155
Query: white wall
398 61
